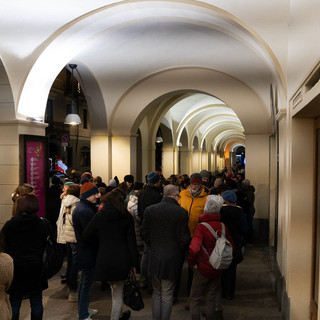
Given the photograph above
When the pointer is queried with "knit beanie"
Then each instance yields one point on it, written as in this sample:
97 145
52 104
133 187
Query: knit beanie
129 178
112 183
196 178
153 177
68 183
87 189
229 196
205 173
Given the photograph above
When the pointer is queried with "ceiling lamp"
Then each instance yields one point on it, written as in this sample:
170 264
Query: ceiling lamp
159 136
72 117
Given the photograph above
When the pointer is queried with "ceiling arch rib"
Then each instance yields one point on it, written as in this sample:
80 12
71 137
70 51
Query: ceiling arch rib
224 136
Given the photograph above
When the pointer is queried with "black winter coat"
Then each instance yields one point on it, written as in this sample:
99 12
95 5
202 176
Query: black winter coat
117 252
82 215
234 218
165 230
150 195
25 238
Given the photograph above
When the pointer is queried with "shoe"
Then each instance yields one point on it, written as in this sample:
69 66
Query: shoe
73 296
63 276
126 315
187 305
64 280
92 312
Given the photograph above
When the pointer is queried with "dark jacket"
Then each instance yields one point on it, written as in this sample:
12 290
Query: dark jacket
202 236
233 217
150 195
25 237
117 243
165 230
82 215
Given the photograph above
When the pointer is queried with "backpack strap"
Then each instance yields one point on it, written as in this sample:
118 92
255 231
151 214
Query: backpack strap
213 233
212 230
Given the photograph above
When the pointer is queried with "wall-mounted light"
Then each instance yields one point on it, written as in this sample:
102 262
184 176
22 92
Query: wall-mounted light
72 117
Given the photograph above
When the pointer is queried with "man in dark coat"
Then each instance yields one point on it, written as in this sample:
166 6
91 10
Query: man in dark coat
82 215
151 194
165 230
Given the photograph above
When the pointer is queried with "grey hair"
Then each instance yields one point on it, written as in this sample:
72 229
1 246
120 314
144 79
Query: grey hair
170 190
213 204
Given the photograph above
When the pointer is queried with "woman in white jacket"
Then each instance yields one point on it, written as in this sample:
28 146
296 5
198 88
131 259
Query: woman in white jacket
69 202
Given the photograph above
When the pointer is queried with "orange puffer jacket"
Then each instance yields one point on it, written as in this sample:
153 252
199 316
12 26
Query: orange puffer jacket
194 206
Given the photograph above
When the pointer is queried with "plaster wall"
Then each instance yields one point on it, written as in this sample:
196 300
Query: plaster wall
299 235
257 171
120 156
167 161
303 44
101 157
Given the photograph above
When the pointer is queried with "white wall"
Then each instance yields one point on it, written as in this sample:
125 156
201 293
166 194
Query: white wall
257 171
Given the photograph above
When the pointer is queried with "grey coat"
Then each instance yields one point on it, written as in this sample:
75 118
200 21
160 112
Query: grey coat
165 230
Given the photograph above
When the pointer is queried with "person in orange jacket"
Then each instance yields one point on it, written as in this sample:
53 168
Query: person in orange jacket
193 200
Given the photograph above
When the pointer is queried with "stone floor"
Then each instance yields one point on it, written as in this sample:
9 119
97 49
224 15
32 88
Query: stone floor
254 297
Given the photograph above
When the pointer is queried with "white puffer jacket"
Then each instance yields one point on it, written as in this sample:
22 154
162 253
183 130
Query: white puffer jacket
69 202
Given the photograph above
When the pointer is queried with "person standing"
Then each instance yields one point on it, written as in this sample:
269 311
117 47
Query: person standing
151 194
6 271
206 279
234 218
113 228
193 200
69 203
25 239
165 230
81 217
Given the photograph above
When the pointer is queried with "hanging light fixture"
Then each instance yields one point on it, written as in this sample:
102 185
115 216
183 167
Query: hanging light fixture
72 117
159 136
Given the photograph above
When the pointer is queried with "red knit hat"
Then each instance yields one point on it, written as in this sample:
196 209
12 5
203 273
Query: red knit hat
88 189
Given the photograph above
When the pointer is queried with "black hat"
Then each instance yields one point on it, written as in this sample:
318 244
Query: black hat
129 178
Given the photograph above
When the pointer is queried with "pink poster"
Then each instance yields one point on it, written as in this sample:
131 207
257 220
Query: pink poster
35 166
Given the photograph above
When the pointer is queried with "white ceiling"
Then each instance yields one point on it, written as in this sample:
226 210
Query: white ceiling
118 44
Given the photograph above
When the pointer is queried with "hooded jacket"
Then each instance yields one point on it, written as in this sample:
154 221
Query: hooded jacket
114 233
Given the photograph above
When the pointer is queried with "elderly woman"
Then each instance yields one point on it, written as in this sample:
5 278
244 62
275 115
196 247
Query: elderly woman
25 239
206 279
6 271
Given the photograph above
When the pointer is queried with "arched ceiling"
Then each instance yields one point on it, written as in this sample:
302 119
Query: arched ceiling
203 116
131 52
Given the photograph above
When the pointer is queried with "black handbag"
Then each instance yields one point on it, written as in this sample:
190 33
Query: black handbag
52 259
131 294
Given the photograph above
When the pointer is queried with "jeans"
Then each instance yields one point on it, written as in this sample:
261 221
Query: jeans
117 298
86 281
162 298
211 288
73 266
35 304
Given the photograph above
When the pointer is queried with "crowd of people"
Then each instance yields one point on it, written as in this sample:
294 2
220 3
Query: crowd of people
109 232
